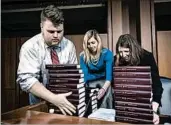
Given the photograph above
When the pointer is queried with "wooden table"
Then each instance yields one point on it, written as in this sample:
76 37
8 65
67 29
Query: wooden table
36 114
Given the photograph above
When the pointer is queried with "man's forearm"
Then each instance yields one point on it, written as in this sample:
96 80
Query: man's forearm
39 90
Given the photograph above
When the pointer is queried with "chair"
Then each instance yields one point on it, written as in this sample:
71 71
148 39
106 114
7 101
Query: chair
166 97
165 110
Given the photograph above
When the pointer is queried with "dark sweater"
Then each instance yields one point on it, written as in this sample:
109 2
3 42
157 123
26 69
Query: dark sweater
148 60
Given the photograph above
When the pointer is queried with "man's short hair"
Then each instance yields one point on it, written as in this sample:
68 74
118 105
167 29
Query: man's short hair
52 13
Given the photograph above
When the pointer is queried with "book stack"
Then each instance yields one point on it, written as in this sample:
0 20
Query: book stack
93 97
91 100
133 94
67 78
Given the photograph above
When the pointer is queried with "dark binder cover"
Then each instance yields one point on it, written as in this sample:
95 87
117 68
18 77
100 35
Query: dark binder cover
132 69
63 66
133 109
131 104
59 91
66 80
132 87
66 75
135 115
66 71
132 120
67 85
137 100
132 75
136 94
75 102
50 105
133 81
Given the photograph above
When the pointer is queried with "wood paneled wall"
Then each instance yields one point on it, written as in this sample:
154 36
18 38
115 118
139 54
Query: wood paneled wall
125 18
145 22
147 26
109 26
12 96
135 17
116 17
8 74
164 51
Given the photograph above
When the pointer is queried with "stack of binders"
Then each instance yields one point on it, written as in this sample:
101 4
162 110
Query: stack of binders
133 94
94 101
91 100
67 78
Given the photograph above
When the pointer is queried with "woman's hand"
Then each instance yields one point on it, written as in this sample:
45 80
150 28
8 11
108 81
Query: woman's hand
103 90
156 119
101 93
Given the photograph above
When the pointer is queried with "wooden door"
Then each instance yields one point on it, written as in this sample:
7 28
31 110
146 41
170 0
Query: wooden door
164 51
8 54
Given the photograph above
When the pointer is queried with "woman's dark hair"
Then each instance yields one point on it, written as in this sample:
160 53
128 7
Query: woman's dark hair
127 41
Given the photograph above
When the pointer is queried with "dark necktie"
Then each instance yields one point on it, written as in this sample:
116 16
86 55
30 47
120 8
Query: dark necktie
54 56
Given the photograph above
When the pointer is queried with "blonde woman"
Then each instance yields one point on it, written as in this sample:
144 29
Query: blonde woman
96 63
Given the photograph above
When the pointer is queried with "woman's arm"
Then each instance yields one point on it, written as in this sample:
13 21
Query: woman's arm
157 85
109 69
109 73
156 88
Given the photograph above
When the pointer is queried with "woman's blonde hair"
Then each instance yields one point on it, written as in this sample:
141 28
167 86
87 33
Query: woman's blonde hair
87 54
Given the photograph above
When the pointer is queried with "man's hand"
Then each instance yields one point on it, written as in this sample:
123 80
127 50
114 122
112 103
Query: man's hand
63 104
57 99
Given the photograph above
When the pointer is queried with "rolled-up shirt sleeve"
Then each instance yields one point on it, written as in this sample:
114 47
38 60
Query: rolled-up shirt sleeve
28 72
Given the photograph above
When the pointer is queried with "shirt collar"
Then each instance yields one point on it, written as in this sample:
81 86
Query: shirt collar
58 46
54 46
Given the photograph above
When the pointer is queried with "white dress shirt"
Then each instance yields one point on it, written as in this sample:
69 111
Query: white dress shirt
35 54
